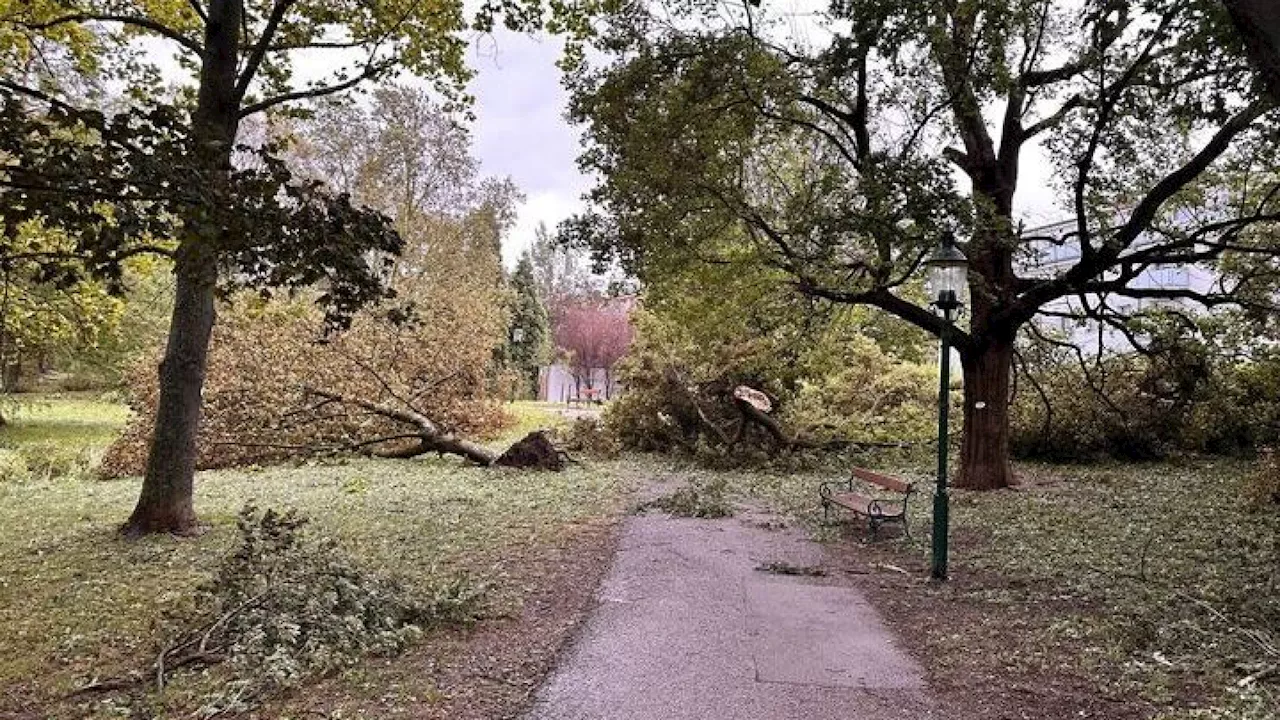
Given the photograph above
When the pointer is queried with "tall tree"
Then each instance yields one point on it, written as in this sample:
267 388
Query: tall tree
563 272
528 339
241 56
845 151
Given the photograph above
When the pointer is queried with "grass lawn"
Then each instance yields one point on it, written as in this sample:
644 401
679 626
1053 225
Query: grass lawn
78 604
48 436
1108 591
1103 591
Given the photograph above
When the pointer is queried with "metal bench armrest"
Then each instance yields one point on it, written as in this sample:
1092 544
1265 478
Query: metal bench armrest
899 499
824 490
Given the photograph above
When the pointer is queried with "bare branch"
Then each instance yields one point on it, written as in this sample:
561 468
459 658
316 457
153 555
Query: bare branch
372 70
254 61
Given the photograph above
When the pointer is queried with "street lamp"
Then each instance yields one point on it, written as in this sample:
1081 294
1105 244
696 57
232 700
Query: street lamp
947 277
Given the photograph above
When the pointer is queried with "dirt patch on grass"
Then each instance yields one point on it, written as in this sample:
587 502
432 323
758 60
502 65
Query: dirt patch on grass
491 670
978 641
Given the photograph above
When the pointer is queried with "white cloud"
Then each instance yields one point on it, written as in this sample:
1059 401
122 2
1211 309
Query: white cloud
521 131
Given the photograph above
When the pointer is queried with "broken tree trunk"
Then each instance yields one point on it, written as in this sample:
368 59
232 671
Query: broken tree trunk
535 450
755 406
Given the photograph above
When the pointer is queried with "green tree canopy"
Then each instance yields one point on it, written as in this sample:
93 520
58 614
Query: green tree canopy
529 336
842 153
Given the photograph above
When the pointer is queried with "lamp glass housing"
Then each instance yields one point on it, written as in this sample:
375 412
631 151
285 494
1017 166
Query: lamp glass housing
948 275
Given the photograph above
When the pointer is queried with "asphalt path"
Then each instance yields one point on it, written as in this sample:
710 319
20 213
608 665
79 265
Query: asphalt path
686 626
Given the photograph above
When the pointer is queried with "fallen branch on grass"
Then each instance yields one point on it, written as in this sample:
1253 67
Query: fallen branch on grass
535 450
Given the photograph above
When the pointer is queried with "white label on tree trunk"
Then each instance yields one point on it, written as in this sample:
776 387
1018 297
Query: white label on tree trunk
980 405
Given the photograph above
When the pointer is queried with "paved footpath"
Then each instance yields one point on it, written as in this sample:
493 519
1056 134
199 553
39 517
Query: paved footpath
686 627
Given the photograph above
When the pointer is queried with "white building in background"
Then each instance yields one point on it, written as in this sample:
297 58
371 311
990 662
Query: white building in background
1047 258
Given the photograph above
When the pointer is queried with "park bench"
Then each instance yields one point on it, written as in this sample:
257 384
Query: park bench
878 510
590 396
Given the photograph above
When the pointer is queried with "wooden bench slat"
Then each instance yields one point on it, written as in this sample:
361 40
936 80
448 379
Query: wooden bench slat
884 481
861 503
853 501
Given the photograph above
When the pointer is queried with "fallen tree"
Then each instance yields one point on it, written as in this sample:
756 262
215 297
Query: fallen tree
725 417
277 390
535 450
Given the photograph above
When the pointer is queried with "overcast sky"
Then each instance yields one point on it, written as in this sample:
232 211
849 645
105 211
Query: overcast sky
520 129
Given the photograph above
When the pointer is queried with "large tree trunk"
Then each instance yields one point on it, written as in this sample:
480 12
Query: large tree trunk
165 503
1258 23
984 446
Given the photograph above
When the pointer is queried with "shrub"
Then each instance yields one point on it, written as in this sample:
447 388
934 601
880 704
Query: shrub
1118 419
589 435
1133 406
283 608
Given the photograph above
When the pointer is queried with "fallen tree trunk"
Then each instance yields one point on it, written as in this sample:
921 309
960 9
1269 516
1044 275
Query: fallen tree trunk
431 437
535 450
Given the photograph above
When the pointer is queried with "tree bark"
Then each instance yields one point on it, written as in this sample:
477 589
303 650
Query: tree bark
1258 24
984 445
166 501
432 437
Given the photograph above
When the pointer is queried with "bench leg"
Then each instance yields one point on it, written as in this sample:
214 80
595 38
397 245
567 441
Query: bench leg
874 526
906 529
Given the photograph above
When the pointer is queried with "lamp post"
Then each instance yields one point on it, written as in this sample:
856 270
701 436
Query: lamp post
947 268
517 337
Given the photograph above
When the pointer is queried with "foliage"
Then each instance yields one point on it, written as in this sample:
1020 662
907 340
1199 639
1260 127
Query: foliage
265 356
593 334
1203 387
589 435
702 498
815 361
79 603
530 323
561 272
89 177
869 397
41 322
144 315
283 608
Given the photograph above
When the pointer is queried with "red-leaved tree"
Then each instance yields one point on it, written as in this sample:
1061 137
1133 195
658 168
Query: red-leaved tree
593 333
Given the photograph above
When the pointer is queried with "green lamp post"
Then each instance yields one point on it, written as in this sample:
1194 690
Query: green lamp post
948 271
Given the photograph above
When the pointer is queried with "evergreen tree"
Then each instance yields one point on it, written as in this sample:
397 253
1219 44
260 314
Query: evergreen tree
527 340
